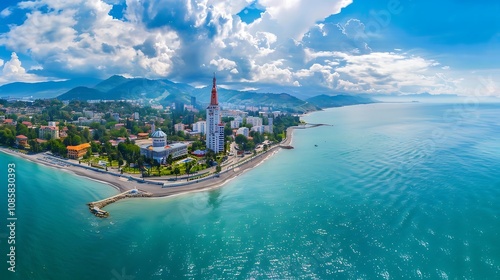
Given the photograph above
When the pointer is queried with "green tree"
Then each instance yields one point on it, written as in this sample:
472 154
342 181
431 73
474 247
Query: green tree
88 154
170 159
35 147
240 139
86 137
177 171
22 129
210 156
197 145
7 137
189 165
228 131
157 165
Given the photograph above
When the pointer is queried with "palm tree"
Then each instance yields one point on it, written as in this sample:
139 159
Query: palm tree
177 171
189 165
210 155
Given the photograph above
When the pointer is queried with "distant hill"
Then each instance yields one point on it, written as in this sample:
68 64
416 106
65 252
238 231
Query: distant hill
278 101
44 89
83 93
167 92
328 101
111 83
121 88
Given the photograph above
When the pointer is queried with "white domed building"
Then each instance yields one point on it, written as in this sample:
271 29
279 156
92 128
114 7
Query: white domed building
160 150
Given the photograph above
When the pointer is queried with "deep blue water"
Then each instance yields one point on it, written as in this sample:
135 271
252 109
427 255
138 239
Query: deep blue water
390 191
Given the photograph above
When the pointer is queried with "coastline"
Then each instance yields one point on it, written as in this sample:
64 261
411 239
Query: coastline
122 184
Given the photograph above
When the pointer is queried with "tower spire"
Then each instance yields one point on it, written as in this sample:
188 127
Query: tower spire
213 99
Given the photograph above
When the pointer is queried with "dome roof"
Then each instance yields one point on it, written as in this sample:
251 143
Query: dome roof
158 134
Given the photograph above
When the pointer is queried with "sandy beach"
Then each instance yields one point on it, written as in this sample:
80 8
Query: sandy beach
123 183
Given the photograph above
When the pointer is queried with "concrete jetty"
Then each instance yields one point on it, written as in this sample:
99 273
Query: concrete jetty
96 206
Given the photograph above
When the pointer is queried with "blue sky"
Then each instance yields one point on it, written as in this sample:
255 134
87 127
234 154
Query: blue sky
306 46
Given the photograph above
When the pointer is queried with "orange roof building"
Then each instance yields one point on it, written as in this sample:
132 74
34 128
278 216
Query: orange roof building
76 152
142 135
21 140
27 124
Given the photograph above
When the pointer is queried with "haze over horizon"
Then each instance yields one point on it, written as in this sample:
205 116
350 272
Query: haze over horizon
390 46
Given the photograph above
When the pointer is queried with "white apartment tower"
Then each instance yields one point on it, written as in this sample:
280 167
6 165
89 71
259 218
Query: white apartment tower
200 127
215 128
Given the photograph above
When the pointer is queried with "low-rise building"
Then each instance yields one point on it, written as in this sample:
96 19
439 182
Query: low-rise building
179 127
235 124
45 131
9 122
142 135
243 131
27 124
76 152
259 129
21 140
254 121
119 125
160 151
200 127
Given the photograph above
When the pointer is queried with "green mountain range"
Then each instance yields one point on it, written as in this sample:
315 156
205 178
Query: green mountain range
120 88
167 92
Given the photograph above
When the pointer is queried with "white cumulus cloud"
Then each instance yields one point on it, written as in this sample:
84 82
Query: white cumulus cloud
187 40
13 71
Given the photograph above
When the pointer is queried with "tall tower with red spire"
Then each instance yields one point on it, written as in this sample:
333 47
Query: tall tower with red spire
215 128
213 98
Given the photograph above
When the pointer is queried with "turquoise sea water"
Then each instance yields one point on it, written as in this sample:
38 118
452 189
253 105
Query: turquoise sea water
391 191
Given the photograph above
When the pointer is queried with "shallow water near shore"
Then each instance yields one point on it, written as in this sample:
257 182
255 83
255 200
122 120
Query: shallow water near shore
390 191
